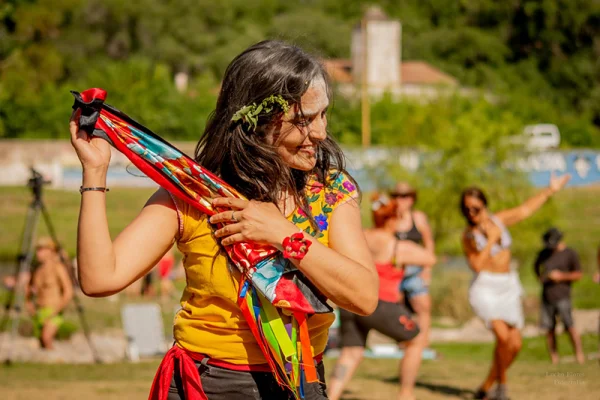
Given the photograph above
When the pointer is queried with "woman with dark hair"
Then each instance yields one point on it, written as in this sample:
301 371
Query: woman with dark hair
412 225
391 317
268 139
495 292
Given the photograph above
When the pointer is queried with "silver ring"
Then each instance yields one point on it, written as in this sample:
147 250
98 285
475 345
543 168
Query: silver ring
233 218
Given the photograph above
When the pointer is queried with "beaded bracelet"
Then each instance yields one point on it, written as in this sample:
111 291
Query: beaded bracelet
296 246
93 189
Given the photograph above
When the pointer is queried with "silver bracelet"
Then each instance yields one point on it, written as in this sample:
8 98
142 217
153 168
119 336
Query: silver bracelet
93 189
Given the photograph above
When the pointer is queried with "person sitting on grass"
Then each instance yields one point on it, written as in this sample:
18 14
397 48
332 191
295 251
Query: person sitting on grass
49 292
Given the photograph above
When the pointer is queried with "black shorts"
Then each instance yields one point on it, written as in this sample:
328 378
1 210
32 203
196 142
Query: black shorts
549 312
390 319
225 384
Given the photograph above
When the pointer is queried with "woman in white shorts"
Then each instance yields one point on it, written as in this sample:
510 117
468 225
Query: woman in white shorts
495 292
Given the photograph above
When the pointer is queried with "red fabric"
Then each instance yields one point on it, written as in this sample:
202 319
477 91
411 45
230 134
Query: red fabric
287 291
192 384
190 377
390 278
94 93
165 265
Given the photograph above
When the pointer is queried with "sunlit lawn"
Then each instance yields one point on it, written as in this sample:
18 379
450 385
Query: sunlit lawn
453 376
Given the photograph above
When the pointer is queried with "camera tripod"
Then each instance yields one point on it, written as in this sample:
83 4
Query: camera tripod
16 298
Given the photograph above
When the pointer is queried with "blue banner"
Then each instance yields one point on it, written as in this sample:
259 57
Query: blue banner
583 165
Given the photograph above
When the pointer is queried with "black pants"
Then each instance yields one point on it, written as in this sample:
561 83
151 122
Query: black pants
225 384
391 319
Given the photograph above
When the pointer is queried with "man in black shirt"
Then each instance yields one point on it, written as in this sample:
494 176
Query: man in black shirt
556 267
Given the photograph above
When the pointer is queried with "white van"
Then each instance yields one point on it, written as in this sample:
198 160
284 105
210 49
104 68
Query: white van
541 136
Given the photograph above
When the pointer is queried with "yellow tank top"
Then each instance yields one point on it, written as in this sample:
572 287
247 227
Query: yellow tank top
210 321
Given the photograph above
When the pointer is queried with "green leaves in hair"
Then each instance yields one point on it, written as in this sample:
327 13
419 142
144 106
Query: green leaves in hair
249 114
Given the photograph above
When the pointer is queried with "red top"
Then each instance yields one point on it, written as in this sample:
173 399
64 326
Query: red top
390 277
165 265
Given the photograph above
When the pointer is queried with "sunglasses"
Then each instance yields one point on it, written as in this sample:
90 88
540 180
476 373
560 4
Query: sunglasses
473 210
402 195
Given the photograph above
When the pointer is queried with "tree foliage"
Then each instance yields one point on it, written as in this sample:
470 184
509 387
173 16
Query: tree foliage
538 57
463 143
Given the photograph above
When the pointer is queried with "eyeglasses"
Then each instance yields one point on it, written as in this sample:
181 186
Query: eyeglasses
473 210
402 195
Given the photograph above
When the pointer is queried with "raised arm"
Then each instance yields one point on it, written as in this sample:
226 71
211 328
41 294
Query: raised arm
344 272
105 267
517 214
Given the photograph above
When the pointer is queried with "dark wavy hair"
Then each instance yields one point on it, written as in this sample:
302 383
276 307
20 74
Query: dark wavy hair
241 156
471 192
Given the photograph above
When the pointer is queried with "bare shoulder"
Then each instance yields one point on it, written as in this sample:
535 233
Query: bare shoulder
161 197
420 216
420 219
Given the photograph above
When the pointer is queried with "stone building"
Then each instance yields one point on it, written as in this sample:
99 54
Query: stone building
386 72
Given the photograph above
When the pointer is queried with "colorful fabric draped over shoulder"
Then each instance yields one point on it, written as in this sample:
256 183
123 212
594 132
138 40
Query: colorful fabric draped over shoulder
184 178
271 284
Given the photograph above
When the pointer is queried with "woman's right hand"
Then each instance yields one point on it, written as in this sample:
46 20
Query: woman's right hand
491 231
93 152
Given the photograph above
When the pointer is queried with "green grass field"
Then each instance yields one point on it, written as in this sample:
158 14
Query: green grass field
454 376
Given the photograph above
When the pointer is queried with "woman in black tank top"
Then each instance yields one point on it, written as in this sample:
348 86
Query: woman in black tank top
412 234
391 318
413 227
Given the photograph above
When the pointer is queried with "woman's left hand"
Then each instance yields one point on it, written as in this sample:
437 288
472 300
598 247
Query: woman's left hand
251 221
557 183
